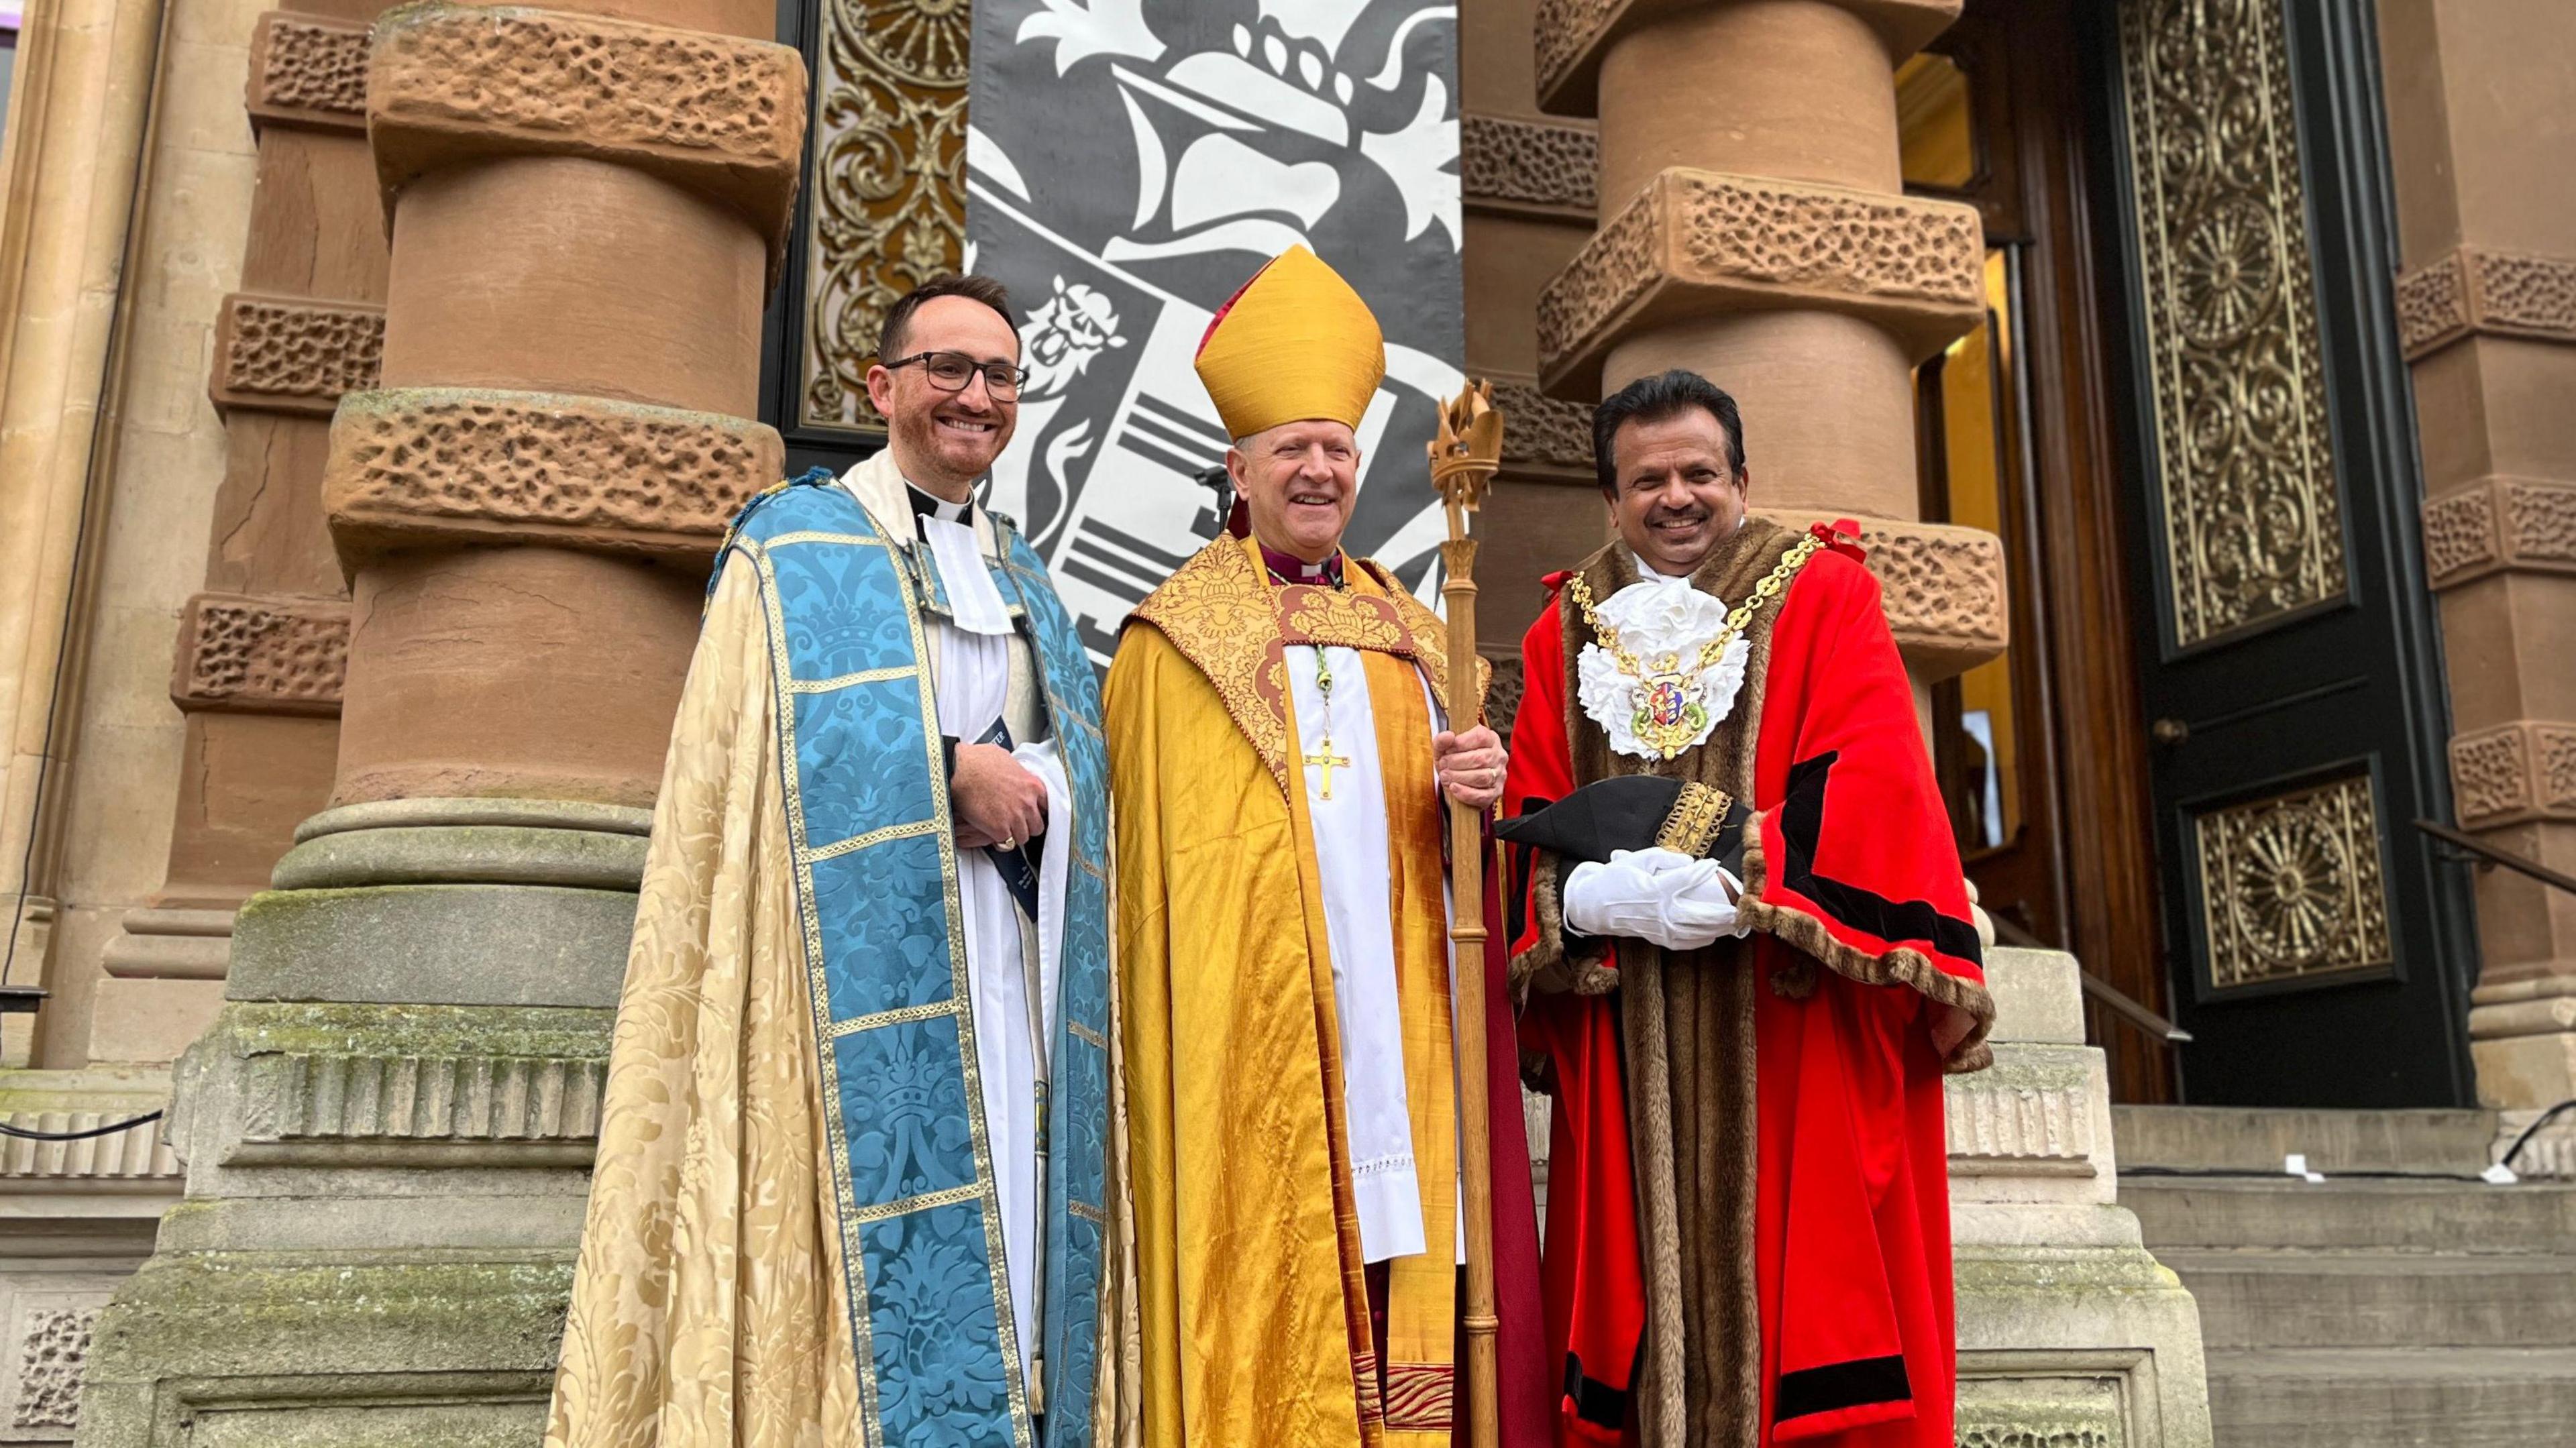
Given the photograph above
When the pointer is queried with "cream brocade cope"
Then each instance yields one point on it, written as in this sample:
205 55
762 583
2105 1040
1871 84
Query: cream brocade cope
707 1310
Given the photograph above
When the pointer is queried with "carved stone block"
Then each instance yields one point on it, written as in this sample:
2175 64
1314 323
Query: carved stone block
2514 773
2030 1114
2473 291
397 1104
267 655
2496 525
1543 433
310 71
1696 242
453 464
1943 586
1574 35
1528 165
50 1356
295 354
449 84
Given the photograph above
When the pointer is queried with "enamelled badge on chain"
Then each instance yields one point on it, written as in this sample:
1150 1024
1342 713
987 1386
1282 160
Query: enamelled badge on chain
1655 704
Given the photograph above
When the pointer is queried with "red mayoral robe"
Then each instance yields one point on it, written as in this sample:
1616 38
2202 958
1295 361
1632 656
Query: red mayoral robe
1748 1232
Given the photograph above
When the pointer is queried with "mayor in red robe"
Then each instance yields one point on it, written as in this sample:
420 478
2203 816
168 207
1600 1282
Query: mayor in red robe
1747 1236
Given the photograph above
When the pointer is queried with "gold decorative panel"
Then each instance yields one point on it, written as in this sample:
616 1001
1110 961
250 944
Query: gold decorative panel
2291 885
2253 519
888 185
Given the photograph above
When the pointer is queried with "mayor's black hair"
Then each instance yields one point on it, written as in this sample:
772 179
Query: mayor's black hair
1653 399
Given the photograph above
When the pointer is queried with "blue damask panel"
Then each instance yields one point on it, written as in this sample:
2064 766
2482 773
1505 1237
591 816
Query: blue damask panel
904 1112
863 759
1073 1339
843 605
933 1330
883 917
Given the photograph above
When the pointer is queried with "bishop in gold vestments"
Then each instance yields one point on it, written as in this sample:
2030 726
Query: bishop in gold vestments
1277 760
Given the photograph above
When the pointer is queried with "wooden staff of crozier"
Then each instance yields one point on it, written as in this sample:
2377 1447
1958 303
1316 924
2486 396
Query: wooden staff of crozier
1463 459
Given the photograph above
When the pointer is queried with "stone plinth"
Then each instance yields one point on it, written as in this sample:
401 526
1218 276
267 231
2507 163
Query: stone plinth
388 1134
2070 1332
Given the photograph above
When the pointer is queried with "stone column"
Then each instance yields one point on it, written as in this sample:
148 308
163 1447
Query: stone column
261 649
389 1126
2481 115
1753 228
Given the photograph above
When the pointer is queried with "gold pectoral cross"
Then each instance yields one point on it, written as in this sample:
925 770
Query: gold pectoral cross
1328 761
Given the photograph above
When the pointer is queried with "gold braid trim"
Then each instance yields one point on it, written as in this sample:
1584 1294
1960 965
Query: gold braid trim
1696 818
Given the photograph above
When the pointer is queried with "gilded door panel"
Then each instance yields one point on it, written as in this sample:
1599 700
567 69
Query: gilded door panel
2252 516
885 198
2292 887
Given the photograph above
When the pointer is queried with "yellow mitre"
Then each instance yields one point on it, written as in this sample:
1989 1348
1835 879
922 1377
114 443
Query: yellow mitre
1296 343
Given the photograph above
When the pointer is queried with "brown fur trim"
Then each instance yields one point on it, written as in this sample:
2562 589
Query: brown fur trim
1901 965
1545 967
1687 1024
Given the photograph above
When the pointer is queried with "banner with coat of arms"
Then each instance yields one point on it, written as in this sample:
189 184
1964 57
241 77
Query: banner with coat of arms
1130 163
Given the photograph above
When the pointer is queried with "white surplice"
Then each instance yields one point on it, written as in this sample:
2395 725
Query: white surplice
1351 864
982 669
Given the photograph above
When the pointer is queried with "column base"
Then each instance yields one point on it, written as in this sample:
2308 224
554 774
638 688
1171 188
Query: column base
388 1133
2070 1331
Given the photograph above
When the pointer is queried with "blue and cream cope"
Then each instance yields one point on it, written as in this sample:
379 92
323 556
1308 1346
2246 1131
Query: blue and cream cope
877 869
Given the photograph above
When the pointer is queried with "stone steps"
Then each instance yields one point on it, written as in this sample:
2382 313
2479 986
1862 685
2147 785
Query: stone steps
2419 1310
2254 1140
2393 1397
2258 1299
2380 1216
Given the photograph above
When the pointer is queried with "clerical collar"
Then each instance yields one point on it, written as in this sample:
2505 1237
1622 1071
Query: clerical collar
1289 568
931 505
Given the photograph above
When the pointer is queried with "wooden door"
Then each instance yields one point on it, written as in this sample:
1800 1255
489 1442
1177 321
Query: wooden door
2041 752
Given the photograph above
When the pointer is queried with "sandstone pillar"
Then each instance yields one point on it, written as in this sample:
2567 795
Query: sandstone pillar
262 647
1753 228
389 1126
2479 119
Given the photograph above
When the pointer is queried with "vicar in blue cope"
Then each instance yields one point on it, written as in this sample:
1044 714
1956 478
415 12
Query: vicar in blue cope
858 1165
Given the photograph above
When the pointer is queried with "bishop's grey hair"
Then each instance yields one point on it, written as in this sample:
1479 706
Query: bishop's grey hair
1654 399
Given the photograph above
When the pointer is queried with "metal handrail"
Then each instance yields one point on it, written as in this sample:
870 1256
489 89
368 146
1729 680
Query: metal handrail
2128 1008
2494 856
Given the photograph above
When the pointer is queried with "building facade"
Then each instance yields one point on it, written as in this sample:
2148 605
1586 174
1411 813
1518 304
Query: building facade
374 384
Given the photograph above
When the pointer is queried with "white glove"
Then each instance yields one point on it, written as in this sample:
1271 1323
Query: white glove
1657 895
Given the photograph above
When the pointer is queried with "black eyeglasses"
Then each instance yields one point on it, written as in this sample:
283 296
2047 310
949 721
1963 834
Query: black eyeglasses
950 372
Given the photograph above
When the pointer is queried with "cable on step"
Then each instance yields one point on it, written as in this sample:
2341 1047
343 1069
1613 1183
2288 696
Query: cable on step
22 1133
2533 1130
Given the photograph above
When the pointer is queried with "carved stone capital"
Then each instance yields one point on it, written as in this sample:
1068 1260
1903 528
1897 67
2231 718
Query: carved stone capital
1943 587
264 655
2473 291
1697 242
2498 525
2514 773
294 354
309 71
455 84
1574 35
1515 165
462 465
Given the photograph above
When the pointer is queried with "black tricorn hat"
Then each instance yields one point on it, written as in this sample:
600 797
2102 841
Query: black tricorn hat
1624 812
